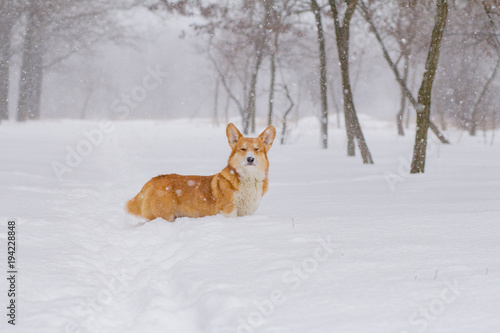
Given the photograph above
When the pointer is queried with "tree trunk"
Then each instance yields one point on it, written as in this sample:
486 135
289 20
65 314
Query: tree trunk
30 85
216 102
285 115
408 112
322 72
226 109
443 120
86 101
4 72
424 93
334 102
249 116
353 127
494 122
273 80
352 123
474 121
401 113
7 21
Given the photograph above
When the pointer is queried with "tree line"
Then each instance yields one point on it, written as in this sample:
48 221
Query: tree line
51 32
412 34
444 56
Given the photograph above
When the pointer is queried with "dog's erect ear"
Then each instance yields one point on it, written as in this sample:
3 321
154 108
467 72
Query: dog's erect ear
233 135
268 136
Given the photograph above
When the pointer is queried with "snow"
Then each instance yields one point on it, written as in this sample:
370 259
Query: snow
335 246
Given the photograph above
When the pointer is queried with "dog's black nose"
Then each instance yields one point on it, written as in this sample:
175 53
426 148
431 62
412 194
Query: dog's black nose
250 159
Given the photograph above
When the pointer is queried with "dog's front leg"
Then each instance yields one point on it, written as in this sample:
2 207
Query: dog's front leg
229 211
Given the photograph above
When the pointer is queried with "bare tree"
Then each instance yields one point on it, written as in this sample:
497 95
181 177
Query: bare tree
322 73
423 104
56 30
393 65
239 31
261 41
342 32
9 13
272 61
474 113
409 15
424 93
493 41
287 112
463 86
403 23
242 36
30 84
231 62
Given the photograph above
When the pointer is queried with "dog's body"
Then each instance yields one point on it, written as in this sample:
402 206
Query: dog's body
235 191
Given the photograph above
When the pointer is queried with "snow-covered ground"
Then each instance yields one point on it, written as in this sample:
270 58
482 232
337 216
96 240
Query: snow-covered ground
336 246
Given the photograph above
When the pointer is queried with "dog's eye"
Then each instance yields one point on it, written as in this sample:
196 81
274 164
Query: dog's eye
243 149
256 149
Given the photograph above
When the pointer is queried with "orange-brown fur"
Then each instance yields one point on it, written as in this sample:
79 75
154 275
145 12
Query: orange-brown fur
171 196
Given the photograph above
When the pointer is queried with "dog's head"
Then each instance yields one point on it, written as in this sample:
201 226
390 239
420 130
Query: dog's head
249 155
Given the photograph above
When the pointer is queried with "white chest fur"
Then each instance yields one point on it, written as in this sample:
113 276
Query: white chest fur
247 199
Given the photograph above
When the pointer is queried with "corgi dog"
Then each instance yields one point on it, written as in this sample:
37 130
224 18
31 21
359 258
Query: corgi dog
235 191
